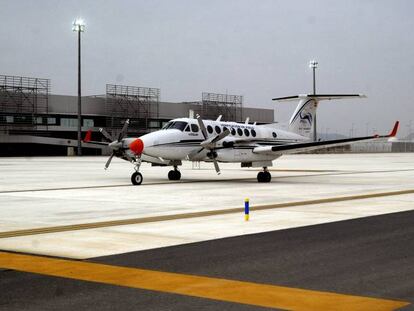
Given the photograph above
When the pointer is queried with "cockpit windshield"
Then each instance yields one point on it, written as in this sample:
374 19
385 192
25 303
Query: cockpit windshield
167 125
178 125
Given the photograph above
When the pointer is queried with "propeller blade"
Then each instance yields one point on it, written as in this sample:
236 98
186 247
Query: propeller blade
211 142
202 126
106 135
221 136
194 153
216 166
109 160
124 130
200 150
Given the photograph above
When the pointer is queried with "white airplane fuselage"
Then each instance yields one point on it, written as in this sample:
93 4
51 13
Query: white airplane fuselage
183 141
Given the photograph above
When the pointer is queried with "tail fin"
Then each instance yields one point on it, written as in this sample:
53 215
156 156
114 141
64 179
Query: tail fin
303 120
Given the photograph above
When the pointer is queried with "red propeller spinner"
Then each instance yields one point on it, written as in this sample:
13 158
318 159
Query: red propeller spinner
137 146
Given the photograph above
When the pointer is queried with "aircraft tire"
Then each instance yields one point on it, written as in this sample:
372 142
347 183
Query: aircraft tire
264 177
174 175
267 177
260 177
136 178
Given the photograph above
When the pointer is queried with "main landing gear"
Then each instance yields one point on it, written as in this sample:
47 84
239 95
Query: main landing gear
174 174
264 176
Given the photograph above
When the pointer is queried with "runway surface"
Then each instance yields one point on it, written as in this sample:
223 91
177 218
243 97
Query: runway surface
330 232
71 207
367 257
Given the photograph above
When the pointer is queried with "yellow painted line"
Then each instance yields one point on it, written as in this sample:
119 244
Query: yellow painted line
134 221
263 295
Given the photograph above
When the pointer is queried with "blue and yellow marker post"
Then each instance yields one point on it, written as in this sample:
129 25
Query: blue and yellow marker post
246 209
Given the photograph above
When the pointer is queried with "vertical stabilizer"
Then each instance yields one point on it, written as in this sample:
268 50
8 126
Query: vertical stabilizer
303 119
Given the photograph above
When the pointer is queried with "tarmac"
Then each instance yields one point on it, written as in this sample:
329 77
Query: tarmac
325 224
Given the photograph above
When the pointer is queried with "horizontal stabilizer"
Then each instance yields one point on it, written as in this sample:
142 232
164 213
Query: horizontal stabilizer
319 97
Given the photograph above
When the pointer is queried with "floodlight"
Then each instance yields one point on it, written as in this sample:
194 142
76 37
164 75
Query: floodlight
313 64
78 25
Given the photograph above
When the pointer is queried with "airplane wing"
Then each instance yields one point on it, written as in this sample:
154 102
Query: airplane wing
304 147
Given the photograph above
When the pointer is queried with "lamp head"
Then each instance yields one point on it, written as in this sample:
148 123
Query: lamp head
313 64
78 25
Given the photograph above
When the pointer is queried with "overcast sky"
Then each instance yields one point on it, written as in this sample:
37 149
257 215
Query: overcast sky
259 49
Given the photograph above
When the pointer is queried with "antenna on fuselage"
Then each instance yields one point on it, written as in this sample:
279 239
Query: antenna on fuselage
219 118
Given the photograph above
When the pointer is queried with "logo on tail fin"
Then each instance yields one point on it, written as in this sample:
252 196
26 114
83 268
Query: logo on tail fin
306 117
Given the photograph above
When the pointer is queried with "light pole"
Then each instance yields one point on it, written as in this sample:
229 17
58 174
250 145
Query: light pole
79 26
314 64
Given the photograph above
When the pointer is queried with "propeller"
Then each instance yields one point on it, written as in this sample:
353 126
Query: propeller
116 145
210 143
106 135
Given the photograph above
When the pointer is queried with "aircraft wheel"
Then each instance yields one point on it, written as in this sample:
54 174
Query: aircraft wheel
136 178
267 177
264 177
174 175
260 177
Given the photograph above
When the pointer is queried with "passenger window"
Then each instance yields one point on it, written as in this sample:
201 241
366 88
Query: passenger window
209 129
240 132
194 128
274 134
233 131
246 132
218 129
224 129
253 133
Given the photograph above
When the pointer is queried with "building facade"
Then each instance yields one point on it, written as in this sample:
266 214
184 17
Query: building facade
35 122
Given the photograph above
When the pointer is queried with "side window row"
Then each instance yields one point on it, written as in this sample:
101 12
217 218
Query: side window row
246 132
233 131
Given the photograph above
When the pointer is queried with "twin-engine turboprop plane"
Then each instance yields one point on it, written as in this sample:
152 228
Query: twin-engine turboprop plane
219 141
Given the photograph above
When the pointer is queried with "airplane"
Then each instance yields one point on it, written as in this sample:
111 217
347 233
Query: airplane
252 145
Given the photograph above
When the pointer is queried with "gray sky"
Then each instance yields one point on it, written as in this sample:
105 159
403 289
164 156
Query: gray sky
259 49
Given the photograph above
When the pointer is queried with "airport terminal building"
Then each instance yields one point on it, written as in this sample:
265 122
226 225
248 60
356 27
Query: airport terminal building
35 122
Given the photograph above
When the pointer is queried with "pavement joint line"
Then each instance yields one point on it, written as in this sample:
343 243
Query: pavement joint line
328 173
263 295
150 219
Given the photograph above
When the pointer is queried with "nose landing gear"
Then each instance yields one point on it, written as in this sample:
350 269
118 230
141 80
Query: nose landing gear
264 176
136 178
174 174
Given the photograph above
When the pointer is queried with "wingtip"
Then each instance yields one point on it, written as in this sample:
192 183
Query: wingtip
88 136
395 129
